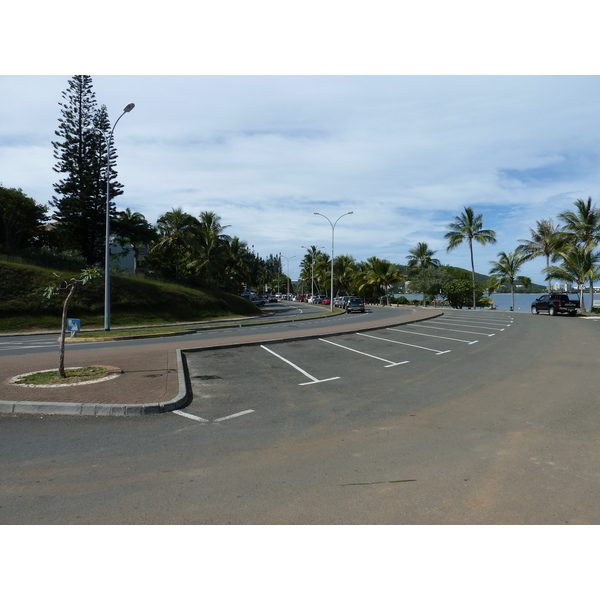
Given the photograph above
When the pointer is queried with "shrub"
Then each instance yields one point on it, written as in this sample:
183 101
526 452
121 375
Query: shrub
485 303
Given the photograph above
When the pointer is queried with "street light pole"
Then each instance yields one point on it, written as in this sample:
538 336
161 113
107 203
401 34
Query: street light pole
332 237
127 109
278 273
288 275
312 267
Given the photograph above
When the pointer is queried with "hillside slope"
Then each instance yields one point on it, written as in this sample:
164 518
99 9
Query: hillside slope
134 301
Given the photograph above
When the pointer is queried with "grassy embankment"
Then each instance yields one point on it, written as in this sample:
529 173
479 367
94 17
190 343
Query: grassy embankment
134 302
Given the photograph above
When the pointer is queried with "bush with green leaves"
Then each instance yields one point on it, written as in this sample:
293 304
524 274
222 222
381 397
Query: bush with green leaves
459 293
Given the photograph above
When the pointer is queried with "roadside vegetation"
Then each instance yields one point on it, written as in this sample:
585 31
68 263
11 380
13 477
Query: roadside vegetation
135 301
71 376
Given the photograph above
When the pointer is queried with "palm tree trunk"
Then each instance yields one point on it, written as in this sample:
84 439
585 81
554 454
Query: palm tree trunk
473 273
136 252
512 294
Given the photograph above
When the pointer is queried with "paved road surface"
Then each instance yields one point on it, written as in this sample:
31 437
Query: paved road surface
493 421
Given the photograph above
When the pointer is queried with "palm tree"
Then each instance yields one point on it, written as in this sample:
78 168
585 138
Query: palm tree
264 278
177 237
210 221
468 226
544 242
344 267
421 257
505 270
582 228
322 271
308 265
578 265
380 273
209 256
237 263
491 285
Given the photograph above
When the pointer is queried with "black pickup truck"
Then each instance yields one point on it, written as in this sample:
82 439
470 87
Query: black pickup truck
555 304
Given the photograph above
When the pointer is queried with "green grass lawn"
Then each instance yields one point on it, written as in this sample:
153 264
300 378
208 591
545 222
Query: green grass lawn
77 375
134 301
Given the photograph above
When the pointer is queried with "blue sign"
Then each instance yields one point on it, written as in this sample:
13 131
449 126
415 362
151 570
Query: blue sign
73 325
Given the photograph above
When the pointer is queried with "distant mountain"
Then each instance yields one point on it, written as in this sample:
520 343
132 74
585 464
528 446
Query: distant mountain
482 279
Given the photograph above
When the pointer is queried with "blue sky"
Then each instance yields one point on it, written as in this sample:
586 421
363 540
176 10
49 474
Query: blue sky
404 153
265 138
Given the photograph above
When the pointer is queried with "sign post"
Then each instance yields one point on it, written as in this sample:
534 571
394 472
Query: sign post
73 325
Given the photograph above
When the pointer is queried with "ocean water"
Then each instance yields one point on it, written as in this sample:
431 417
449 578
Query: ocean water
522 301
502 301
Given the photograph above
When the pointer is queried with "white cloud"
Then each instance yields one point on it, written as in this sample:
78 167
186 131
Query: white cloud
406 154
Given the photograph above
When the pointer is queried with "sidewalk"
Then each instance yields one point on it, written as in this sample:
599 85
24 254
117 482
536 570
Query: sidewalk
153 378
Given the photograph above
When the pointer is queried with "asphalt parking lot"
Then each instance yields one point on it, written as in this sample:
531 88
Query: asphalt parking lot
265 381
468 418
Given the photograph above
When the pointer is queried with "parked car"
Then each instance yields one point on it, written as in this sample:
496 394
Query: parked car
326 301
272 298
555 304
257 300
355 305
344 301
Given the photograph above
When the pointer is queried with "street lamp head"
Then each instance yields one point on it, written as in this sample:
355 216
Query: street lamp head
350 213
129 107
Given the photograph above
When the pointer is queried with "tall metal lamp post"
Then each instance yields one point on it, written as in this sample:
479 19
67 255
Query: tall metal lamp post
312 267
332 238
127 109
288 274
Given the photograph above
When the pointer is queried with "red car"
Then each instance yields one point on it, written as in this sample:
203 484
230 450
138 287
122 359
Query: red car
326 301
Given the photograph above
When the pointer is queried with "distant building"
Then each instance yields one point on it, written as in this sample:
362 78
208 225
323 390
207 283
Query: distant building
125 263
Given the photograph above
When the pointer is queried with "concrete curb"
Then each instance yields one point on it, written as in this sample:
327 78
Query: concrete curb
183 398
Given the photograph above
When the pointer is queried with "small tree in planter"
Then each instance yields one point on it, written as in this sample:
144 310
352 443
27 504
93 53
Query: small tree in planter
69 286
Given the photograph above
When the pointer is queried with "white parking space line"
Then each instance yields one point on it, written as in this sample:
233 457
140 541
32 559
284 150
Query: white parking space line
499 321
470 324
454 330
201 420
392 364
188 416
489 320
244 412
441 337
313 379
405 344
